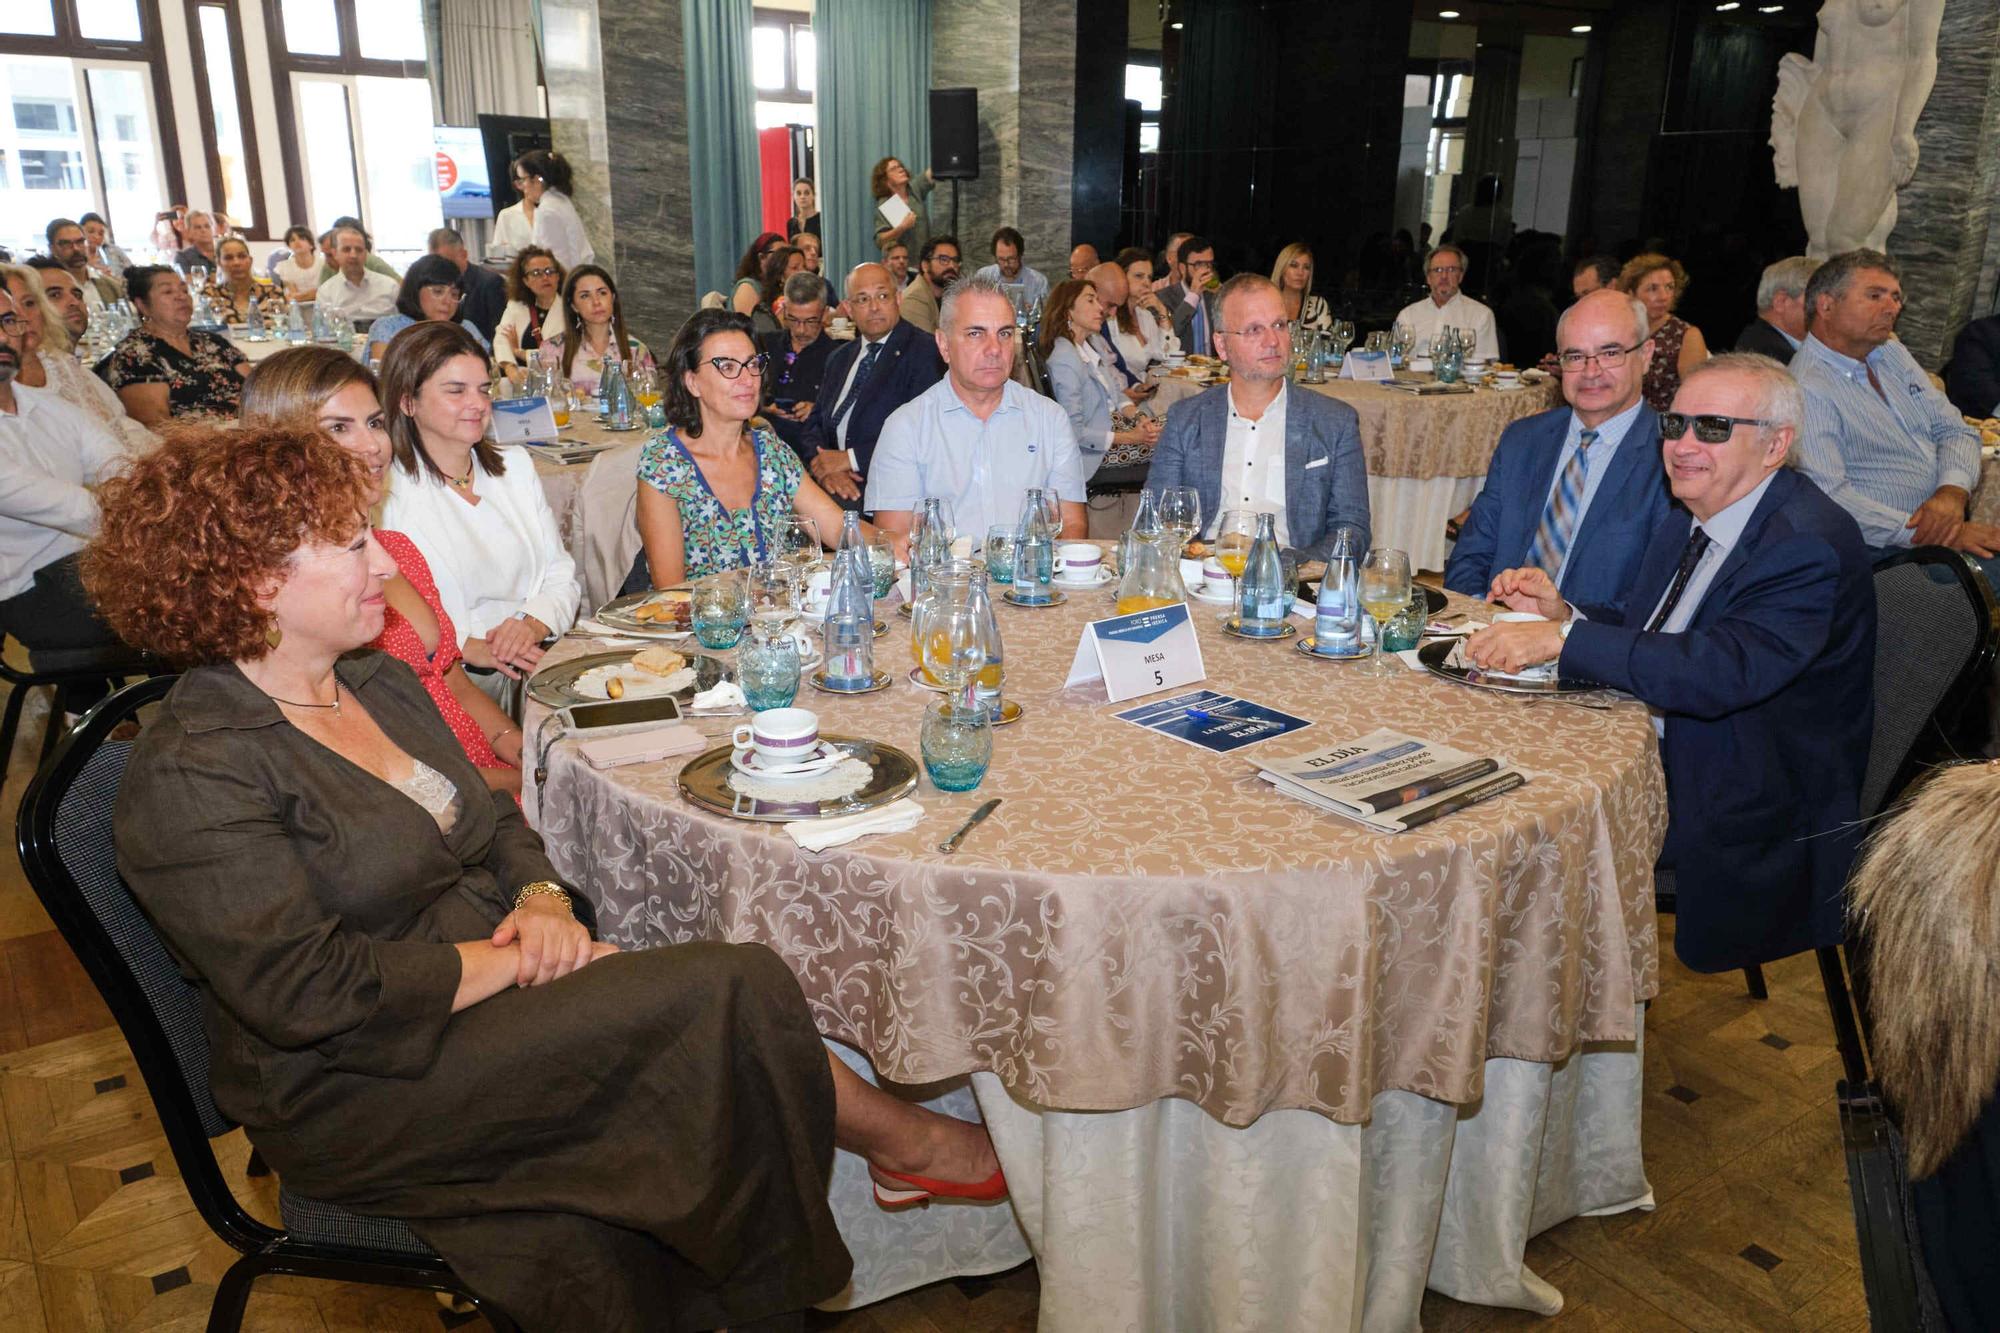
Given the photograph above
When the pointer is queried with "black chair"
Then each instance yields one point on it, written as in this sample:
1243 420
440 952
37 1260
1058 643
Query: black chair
64 670
65 837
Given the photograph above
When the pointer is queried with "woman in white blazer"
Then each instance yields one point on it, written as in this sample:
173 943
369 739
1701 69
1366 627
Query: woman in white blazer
544 179
476 510
534 307
1084 385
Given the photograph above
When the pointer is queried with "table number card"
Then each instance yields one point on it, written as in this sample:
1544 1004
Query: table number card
1139 653
519 420
1365 365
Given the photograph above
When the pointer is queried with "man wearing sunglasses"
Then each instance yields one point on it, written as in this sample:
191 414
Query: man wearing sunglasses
1750 634
1577 490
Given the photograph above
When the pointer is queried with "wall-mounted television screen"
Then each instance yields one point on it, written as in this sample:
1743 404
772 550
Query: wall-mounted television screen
463 183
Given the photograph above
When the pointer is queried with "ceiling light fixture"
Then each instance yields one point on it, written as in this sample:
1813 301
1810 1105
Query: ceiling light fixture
1770 9
1175 26
1447 13
1581 27
1728 5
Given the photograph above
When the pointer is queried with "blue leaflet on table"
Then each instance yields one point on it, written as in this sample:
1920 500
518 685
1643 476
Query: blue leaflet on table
1213 721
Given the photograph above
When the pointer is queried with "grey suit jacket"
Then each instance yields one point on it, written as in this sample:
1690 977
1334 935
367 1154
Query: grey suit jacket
1326 475
1184 325
1085 398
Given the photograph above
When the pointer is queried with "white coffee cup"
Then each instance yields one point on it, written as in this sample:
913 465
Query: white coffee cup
1078 562
1190 571
818 590
1217 579
780 736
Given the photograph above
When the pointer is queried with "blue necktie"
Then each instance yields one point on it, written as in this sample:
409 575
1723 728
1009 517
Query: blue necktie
1111 346
854 389
1198 329
1565 509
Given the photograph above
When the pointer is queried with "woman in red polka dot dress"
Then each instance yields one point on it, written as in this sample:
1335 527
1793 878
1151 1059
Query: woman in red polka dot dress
337 394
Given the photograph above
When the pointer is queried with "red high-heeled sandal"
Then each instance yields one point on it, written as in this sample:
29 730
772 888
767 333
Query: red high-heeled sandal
990 1190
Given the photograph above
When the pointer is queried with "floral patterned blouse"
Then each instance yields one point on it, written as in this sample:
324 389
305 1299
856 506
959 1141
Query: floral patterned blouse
204 381
268 298
1663 377
714 538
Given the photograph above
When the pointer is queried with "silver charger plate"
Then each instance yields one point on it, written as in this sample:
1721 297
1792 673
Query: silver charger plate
1433 656
553 687
617 613
704 781
1056 598
817 680
1230 623
1306 646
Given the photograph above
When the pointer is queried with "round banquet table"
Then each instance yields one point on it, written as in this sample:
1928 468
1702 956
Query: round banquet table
1427 456
1247 1065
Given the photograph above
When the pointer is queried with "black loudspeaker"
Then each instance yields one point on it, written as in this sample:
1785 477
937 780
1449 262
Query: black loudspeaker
955 134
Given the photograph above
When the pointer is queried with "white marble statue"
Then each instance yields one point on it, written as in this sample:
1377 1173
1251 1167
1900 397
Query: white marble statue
1844 123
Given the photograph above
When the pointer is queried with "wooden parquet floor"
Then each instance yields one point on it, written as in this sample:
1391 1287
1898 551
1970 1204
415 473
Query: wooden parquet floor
1752 1231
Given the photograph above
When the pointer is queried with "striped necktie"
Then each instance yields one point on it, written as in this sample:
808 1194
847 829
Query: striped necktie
854 390
1565 508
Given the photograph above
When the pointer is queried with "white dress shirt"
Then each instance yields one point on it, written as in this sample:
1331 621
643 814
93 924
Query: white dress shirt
494 559
51 454
511 231
1153 343
1253 464
559 230
1429 318
372 299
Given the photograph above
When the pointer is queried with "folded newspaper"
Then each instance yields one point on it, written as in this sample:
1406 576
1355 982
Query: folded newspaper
1391 782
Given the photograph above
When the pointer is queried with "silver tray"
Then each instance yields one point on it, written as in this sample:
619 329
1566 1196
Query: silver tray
1056 598
617 613
817 679
1230 623
1307 646
552 686
1433 654
704 781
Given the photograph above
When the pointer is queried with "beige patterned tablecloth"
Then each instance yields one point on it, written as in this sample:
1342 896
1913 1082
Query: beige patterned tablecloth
1142 919
1419 438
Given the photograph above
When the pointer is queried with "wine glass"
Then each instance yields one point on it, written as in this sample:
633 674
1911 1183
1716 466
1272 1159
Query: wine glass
1385 590
955 648
1233 535
1343 336
646 387
774 595
1180 515
795 540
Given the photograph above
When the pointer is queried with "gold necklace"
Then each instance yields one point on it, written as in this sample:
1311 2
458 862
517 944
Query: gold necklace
335 705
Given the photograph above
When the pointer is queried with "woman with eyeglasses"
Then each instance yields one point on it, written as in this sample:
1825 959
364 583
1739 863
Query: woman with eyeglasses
712 487
429 292
1088 388
891 180
475 509
534 300
1678 347
542 175
593 331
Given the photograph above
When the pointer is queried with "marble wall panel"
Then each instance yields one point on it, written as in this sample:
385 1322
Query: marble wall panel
1048 93
977 44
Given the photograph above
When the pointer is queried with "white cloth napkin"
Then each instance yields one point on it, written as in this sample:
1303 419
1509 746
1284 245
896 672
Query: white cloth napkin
816 835
724 697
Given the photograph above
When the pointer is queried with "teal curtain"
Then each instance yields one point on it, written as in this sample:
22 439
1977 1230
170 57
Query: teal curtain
874 85
722 138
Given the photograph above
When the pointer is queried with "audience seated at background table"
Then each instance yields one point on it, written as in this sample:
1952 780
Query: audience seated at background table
748 293
1592 273
397 989
805 209
1082 259
475 509
1195 319
1973 377
809 246
354 289
885 365
236 290
715 492
1577 491
298 271
891 179
51 457
1448 307
1779 329
1678 347
331 258
534 291
1098 402
1141 328
780 263
1254 444
199 234
429 293
1923 898
1170 278
484 292
543 177
1010 267
1750 632
165 369
1879 438
104 253
70 246
937 269
798 355
976 437
46 361
322 389
1114 292
1293 272
65 295
593 331
896 259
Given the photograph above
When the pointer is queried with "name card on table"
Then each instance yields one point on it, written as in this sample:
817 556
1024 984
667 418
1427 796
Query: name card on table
1139 653
1366 365
520 420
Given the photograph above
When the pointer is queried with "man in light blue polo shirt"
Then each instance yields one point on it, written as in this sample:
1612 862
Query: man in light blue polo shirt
976 437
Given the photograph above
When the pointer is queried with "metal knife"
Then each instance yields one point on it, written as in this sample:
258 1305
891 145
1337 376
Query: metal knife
950 844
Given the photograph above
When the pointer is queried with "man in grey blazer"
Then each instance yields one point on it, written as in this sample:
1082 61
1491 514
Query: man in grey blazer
1254 444
1195 317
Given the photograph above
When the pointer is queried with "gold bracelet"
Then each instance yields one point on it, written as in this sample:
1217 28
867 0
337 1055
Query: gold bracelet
542 888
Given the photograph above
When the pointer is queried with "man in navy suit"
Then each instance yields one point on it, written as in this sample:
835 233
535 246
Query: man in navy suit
1577 491
886 365
1973 377
1253 444
1750 632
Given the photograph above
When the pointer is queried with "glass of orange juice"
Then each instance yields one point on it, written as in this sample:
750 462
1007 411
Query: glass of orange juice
559 393
1233 535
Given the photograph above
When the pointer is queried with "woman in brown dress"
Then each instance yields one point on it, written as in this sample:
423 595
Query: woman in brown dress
1678 347
401 1010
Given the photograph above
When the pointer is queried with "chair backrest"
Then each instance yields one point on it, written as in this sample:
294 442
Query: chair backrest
64 832
1936 628
605 523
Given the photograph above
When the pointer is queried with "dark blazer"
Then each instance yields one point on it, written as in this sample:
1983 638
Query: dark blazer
909 364
1972 380
1184 325
485 299
1326 476
1628 507
1761 335
793 378
1768 698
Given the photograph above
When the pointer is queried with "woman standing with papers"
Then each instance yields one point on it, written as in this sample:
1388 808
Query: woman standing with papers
900 215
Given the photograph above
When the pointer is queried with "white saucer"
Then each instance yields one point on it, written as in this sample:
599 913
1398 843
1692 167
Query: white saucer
1102 577
821 758
1198 591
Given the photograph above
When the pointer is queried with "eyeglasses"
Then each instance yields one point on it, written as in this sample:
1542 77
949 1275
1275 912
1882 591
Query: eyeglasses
1281 327
868 298
805 321
538 273
1447 268
729 367
444 292
1200 263
9 323
1709 427
1610 358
